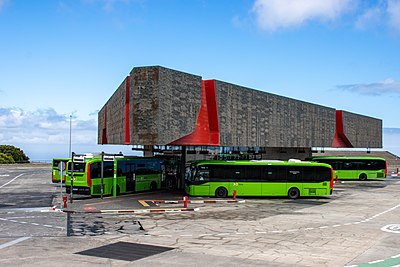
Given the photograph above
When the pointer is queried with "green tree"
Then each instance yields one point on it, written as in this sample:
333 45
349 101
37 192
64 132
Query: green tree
6 159
16 154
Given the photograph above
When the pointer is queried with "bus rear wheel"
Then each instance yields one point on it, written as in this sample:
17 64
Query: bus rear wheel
293 193
221 192
362 177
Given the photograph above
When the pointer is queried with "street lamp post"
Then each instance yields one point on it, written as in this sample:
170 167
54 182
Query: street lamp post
70 135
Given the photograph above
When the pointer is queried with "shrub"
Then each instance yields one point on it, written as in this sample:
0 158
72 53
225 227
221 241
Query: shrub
6 159
16 154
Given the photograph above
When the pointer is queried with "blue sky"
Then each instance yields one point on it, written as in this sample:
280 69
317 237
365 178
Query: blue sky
62 57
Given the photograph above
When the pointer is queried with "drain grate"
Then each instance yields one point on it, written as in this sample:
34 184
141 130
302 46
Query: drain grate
125 251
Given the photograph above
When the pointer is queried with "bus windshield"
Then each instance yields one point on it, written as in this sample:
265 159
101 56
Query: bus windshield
78 167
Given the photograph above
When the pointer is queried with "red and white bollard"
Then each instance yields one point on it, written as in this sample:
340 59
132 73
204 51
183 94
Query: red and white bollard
185 201
65 201
234 194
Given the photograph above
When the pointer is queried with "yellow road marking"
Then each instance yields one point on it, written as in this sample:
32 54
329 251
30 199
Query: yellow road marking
144 203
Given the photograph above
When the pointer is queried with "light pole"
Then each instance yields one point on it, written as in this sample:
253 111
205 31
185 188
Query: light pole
70 135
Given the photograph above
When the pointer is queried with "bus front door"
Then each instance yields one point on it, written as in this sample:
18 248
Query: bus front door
131 179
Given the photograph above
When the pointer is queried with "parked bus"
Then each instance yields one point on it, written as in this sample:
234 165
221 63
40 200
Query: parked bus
292 178
55 178
134 174
361 168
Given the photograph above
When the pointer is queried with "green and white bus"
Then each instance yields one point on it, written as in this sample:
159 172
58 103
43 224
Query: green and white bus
133 174
293 178
55 178
361 168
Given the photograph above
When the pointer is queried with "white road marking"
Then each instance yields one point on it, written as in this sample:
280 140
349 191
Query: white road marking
377 261
11 180
16 241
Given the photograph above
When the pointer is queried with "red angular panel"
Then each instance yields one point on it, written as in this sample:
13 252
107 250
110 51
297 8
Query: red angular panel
340 139
206 131
104 133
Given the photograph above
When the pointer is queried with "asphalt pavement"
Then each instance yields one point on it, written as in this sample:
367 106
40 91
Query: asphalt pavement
359 225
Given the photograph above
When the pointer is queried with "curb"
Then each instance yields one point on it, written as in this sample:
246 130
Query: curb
171 210
196 201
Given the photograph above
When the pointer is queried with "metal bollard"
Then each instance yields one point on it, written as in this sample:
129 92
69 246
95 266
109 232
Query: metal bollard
185 201
65 201
234 194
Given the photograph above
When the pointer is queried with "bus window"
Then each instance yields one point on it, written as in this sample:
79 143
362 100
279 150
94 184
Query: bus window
202 176
275 174
310 174
95 169
78 167
217 173
294 174
253 173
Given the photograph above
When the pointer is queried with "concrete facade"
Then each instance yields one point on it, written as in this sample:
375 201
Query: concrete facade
254 118
159 106
165 104
362 131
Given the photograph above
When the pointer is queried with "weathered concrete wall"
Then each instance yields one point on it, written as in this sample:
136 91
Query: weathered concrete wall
362 131
254 118
115 117
164 104
100 124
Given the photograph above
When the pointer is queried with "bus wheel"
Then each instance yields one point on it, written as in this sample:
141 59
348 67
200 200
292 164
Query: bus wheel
221 192
293 193
153 186
362 177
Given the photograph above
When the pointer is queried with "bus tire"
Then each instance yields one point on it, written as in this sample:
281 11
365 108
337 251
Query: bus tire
293 193
153 186
362 177
221 192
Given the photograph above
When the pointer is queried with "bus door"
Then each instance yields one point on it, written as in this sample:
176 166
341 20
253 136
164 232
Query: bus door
274 181
294 177
342 169
130 177
202 178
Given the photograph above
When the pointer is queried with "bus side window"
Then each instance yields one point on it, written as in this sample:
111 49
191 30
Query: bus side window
253 173
310 174
217 172
203 176
294 174
94 170
346 165
275 174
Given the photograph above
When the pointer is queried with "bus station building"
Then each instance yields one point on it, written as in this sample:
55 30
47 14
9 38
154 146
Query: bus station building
157 109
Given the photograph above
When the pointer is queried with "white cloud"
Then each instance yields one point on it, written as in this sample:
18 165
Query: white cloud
44 126
43 134
370 18
393 10
388 86
274 14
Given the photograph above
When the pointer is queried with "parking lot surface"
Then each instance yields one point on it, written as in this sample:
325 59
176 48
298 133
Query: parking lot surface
359 225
